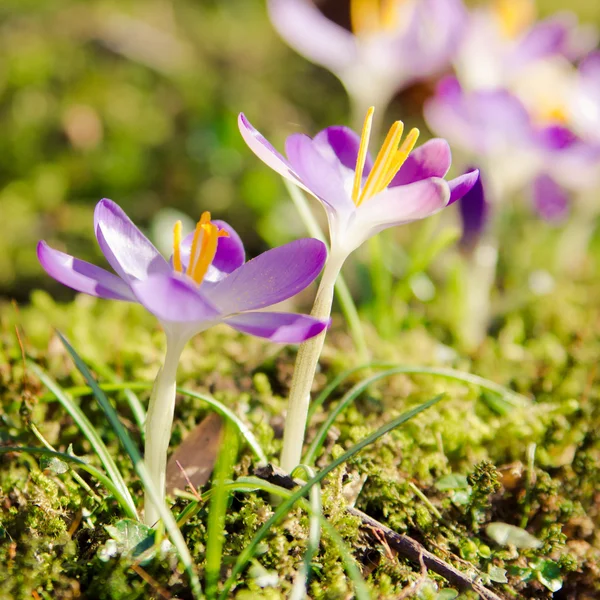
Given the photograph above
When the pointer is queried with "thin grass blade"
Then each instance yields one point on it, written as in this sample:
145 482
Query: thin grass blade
514 398
218 407
218 507
95 473
314 537
287 504
140 468
89 432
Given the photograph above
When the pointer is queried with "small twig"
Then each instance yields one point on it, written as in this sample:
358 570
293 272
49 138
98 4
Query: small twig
413 550
403 544
381 538
151 581
189 482
414 587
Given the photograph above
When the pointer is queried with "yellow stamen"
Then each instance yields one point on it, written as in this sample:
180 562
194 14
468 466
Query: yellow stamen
362 154
204 219
402 154
383 163
177 247
372 16
388 162
389 14
514 16
204 247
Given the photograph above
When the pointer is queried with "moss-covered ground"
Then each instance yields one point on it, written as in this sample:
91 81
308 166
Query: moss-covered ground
472 460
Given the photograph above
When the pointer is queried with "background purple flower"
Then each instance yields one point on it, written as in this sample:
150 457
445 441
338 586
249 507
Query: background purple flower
374 64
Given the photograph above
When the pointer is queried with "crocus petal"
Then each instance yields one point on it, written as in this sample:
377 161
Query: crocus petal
313 35
419 49
459 186
545 38
129 252
320 170
343 143
398 205
474 214
265 151
432 159
285 328
482 121
229 256
269 278
172 298
550 200
82 276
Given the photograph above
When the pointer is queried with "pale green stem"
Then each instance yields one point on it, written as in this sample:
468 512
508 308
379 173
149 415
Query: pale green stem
480 278
158 425
577 234
305 368
347 305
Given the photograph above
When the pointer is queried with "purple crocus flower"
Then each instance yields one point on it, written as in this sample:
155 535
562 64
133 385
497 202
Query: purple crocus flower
363 197
494 128
190 295
391 45
206 282
502 42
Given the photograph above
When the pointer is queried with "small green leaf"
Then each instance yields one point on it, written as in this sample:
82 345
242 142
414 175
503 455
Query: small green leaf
497 574
132 537
548 574
509 535
53 464
448 594
452 482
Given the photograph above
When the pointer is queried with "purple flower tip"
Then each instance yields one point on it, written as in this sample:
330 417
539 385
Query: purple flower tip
474 214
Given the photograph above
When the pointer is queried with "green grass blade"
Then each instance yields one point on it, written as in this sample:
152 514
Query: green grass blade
350 396
314 537
511 397
253 484
218 407
95 473
137 409
250 484
218 507
88 431
287 504
140 468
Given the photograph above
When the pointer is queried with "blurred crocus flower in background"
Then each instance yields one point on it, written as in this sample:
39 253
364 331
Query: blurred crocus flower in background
491 128
392 42
503 42
206 282
361 197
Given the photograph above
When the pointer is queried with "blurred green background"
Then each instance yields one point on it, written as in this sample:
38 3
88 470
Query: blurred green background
136 100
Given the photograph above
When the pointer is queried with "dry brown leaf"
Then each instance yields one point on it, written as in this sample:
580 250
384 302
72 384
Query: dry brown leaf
196 455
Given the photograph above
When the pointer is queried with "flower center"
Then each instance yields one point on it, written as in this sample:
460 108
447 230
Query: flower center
204 247
373 16
390 158
514 16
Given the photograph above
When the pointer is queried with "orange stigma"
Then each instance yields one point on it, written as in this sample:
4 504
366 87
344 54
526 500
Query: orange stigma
204 247
388 162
